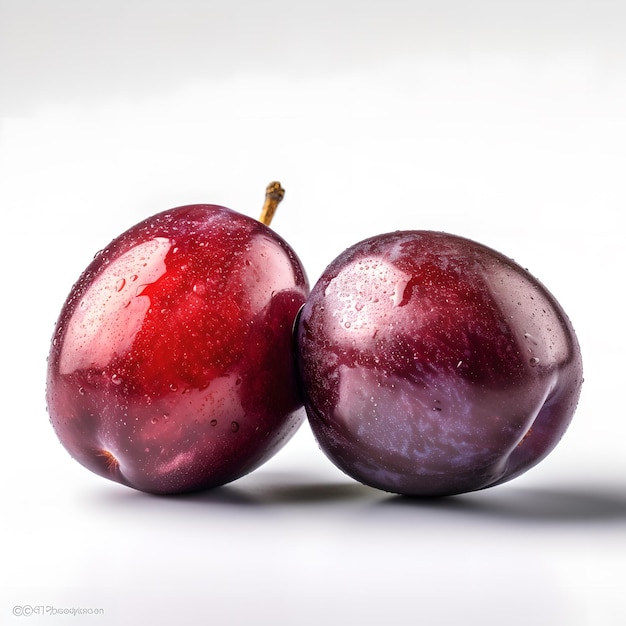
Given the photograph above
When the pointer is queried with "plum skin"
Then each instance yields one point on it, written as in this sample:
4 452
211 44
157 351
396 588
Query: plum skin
171 367
432 365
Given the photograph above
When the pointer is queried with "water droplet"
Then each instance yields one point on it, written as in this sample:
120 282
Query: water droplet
234 426
347 324
534 361
81 391
358 306
238 381
173 387
531 339
120 284
213 422
154 420
146 449
116 380
199 289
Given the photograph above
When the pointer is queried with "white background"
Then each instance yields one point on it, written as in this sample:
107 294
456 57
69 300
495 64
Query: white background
504 121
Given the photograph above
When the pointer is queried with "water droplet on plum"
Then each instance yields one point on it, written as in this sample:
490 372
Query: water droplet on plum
534 361
531 339
234 426
120 284
199 288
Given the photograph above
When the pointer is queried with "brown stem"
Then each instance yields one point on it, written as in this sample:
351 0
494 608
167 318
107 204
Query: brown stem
274 193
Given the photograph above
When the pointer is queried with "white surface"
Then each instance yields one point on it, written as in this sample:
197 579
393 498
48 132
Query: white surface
501 121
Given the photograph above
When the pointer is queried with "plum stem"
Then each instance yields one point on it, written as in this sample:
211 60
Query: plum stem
274 193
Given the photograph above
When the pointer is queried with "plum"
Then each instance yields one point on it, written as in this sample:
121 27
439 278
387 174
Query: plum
432 365
172 366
